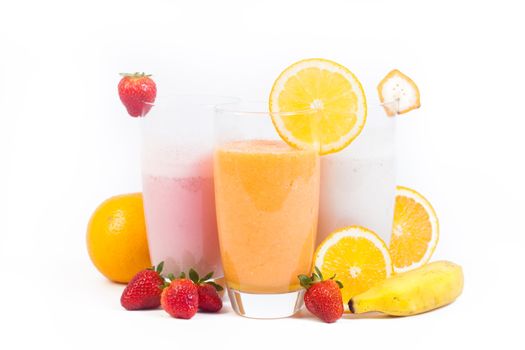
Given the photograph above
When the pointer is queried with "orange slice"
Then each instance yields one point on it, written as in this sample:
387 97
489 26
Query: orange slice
415 231
398 93
320 103
356 256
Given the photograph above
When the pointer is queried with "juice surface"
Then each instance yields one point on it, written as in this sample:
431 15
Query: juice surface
267 198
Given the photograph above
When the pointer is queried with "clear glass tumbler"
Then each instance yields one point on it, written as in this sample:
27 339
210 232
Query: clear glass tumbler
177 181
267 198
358 184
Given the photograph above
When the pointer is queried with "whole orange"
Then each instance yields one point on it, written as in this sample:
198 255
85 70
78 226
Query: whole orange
116 237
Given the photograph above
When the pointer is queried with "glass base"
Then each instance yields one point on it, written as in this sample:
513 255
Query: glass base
266 305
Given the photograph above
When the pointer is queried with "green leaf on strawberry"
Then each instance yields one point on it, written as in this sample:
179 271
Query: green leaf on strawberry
316 277
208 276
160 267
194 276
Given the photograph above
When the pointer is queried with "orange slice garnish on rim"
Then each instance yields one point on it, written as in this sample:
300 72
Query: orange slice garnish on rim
332 99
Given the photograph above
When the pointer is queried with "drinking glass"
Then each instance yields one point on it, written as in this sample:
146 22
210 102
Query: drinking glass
267 199
358 184
177 181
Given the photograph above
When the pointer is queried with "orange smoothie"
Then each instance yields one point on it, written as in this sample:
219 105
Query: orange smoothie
267 200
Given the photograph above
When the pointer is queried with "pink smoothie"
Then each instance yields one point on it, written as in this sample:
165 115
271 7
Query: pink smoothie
181 223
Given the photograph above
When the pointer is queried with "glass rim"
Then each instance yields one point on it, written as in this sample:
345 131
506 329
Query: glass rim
234 109
192 99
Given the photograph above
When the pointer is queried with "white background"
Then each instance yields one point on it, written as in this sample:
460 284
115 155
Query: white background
66 144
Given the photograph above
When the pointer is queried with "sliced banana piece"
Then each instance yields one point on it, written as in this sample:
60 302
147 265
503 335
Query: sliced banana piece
398 93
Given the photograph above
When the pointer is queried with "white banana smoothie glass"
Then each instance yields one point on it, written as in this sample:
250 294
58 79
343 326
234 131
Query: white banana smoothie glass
358 184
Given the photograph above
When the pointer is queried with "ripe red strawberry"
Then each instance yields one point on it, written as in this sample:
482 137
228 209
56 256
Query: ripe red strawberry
209 300
323 297
144 290
137 92
180 299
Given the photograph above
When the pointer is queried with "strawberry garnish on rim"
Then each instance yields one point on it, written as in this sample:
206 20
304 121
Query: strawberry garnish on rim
137 91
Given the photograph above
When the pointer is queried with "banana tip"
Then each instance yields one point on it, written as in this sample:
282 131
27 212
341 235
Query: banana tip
351 306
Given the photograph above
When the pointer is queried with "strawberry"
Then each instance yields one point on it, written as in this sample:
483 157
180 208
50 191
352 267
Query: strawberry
209 300
323 297
144 290
181 298
137 92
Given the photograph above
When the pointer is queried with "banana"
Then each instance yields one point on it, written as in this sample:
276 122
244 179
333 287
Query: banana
413 292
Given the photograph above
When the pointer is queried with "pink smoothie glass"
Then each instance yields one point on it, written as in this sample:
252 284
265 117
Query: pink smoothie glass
177 182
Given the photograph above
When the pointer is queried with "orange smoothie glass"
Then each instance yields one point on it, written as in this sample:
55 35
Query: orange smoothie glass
267 201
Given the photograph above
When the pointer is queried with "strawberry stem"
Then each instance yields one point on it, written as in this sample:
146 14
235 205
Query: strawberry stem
195 278
317 276
135 75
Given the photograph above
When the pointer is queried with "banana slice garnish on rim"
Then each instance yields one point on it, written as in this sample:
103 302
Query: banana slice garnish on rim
398 93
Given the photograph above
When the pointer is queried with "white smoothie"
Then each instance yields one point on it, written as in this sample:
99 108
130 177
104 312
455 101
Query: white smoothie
358 184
